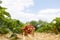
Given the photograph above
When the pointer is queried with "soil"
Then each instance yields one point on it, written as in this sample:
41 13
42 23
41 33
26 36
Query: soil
38 36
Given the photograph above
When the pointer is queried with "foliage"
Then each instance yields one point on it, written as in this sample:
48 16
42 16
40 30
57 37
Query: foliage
34 23
6 22
0 1
53 26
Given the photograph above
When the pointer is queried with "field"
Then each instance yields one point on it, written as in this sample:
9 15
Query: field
38 36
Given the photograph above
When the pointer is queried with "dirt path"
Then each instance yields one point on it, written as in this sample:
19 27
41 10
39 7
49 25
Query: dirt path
45 36
3 37
39 36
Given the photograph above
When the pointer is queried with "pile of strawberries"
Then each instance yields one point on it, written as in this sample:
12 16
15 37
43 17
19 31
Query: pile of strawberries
28 29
